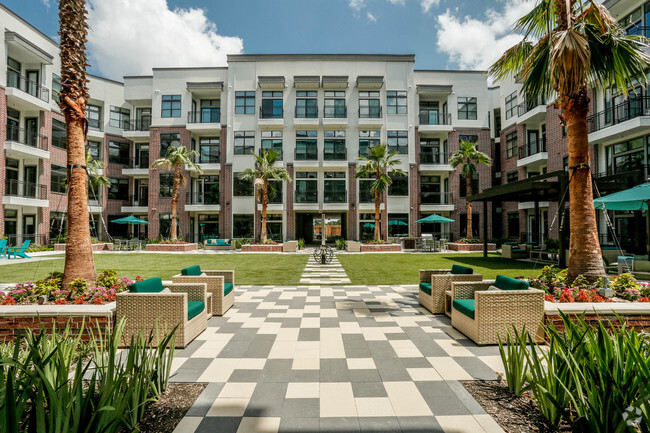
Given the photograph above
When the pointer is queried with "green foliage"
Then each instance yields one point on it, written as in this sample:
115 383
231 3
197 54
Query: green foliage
515 362
625 286
340 243
552 244
469 241
78 287
108 278
240 242
301 243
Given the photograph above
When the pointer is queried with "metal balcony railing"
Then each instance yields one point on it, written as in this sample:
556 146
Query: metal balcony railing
204 115
26 137
306 196
638 31
429 117
434 197
532 148
335 197
14 79
526 106
138 163
429 157
336 155
20 188
138 201
636 106
306 154
201 197
271 112
370 112
142 124
336 112
306 113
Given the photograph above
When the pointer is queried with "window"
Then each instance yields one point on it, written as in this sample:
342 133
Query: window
431 152
398 141
511 144
367 139
94 113
369 105
272 140
209 150
165 225
497 123
470 138
306 105
431 190
166 184
335 105
210 110
119 117
398 224
58 225
143 119
171 106
274 227
208 226
242 226
244 142
207 190
306 187
118 152
396 102
466 108
241 187
511 105
429 113
167 140
245 102
119 189
400 186
95 149
628 155
367 225
334 187
58 179
365 195
334 146
272 105
463 186
513 176
11 176
275 191
513 225
306 147
58 134
56 86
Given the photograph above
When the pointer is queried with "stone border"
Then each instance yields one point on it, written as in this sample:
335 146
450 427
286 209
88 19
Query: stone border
261 248
381 248
634 314
170 248
96 247
454 246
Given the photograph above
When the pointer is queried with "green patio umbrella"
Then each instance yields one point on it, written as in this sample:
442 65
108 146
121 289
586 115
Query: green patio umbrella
434 218
368 226
397 223
129 220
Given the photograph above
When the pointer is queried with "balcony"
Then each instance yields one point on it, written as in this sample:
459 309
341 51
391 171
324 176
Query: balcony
29 94
202 201
335 117
136 168
621 178
370 117
271 118
204 120
22 143
431 161
21 193
336 158
306 196
434 121
335 197
307 157
136 205
210 163
638 31
625 119
531 111
138 128
533 154
436 201
306 117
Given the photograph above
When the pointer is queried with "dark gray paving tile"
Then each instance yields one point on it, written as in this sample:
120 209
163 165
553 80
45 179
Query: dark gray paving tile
189 349
245 376
416 362
364 375
329 322
260 346
267 400
234 349
301 407
299 425
435 389
202 404
309 334
291 322
419 424
191 370
276 370
368 389
388 424
229 328
465 397
446 406
305 376
391 369
339 425
221 424
476 368
244 334
334 370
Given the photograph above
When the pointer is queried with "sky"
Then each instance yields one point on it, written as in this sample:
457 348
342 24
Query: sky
129 37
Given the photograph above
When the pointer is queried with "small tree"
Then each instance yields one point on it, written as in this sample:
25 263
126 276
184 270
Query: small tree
466 157
176 158
260 175
379 163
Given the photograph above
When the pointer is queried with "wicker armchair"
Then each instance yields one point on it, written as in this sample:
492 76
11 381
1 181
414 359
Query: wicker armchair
496 311
221 284
513 252
434 283
150 312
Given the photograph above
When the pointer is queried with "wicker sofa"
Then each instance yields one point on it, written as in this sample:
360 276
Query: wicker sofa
147 307
513 251
435 282
220 284
219 244
483 310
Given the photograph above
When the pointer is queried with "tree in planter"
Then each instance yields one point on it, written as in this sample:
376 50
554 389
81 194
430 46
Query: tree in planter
79 262
467 157
568 47
260 175
176 158
379 163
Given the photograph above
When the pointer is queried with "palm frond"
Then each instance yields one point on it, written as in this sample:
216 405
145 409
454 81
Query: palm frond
570 63
511 63
538 22
536 80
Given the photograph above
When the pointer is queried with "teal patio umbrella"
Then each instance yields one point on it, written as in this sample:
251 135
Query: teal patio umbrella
368 226
434 218
129 220
397 223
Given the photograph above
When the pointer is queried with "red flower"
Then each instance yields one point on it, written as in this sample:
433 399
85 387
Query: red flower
60 301
549 298
78 300
98 301
8 300
644 299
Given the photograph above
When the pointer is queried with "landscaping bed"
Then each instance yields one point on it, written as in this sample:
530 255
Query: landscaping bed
164 415
175 247
261 248
456 246
381 248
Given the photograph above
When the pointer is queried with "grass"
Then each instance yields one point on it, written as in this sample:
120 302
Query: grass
254 269
403 268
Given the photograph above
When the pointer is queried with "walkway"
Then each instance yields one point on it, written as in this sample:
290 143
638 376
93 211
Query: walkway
333 359
316 273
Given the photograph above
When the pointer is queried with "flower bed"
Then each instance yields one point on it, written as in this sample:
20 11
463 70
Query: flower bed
96 247
457 246
172 247
380 248
262 248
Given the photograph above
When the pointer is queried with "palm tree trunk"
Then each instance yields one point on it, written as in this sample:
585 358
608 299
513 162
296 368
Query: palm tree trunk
377 221
175 190
468 183
585 257
265 202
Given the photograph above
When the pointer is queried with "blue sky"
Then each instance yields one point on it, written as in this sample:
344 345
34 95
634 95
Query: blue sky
131 36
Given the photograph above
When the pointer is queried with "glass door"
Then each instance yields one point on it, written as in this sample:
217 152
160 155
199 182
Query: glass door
30 181
31 131
32 83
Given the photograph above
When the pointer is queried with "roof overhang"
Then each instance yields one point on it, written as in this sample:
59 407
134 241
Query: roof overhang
35 53
306 82
271 82
545 187
433 90
335 82
368 82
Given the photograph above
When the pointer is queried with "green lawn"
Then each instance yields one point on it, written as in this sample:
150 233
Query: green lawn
249 268
403 268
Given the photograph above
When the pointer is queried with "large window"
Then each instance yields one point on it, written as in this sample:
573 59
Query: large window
511 105
167 140
306 187
275 191
242 226
58 134
398 141
334 187
166 184
241 187
511 144
335 105
396 102
95 149
628 155
334 146
272 140
365 195
367 139
462 190
244 142
56 86
274 227
58 178
118 152
431 190
210 110
369 105
306 105
429 113
272 107
171 106
209 150
467 108
119 117
306 147
400 186
94 116
119 189
245 102
432 152
207 191
398 224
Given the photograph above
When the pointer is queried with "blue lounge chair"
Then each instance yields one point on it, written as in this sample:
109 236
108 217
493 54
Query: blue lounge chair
3 248
19 252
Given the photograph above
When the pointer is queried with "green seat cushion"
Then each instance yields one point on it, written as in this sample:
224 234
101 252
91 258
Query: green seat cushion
462 270
151 285
223 242
510 243
507 283
193 271
608 248
517 250
194 308
426 288
539 249
465 306
227 288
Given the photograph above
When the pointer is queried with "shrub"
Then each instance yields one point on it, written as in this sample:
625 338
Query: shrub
469 241
340 243
240 242
513 355
626 287
301 243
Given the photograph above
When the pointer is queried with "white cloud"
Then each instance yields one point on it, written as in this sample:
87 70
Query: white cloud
428 4
371 17
46 3
357 4
398 2
474 44
131 37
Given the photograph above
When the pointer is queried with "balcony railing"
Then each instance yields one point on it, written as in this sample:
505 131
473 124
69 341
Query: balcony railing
428 117
306 113
138 201
526 106
335 112
433 158
532 148
630 109
370 112
271 112
18 240
337 155
434 197
14 79
205 115
200 197
19 188
638 31
306 154
207 159
26 137
142 124
335 197
306 196
138 163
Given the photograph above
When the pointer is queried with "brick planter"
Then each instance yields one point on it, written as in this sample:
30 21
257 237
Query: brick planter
634 314
172 248
381 248
14 318
453 246
248 248
96 247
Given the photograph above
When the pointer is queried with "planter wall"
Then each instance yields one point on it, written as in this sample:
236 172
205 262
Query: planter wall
169 248
453 246
96 247
251 248
381 248
634 314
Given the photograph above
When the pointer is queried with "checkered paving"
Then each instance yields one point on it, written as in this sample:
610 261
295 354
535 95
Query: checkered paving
316 273
333 359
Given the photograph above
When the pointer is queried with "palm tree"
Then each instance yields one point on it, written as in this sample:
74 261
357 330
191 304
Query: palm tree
379 163
466 157
260 175
79 261
176 158
568 47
